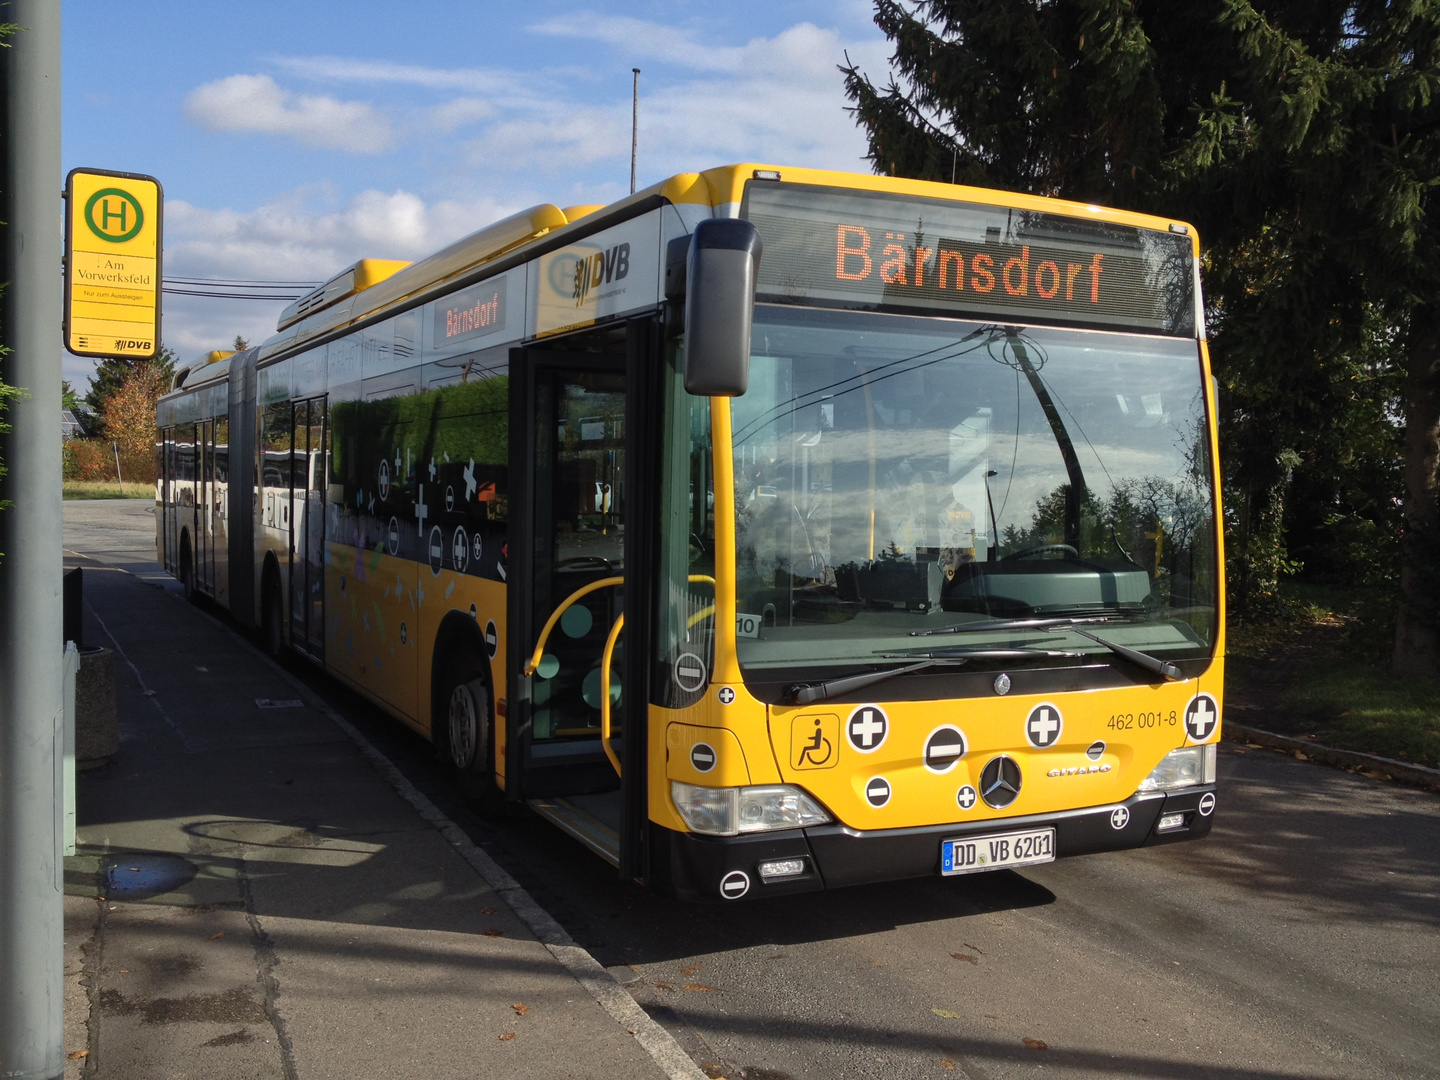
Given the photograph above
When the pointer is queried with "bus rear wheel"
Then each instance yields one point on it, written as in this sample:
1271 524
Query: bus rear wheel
467 742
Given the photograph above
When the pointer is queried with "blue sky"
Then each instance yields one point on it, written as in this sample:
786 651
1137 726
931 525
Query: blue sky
294 138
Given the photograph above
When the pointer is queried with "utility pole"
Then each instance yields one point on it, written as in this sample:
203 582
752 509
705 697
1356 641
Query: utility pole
634 126
31 659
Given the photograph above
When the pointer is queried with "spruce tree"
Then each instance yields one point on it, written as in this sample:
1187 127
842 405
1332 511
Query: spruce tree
1300 137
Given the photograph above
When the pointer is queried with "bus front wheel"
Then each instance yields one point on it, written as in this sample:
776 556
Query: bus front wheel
467 742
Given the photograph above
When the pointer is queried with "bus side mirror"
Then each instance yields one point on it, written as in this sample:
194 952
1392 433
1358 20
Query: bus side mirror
720 273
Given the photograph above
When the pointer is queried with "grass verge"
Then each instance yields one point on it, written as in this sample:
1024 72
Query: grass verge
1359 707
107 489
1324 663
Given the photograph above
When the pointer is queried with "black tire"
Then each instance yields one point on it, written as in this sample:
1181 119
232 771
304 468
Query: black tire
464 731
272 615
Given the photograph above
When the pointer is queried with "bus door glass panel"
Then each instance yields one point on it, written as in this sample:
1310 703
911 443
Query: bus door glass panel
579 538
276 435
167 496
220 511
188 472
307 515
684 627
205 505
381 595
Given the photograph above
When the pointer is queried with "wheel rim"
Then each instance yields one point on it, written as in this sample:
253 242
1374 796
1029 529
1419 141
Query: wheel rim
464 726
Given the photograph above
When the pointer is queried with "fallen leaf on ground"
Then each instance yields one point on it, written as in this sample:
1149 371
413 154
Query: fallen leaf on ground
124 971
76 1055
972 947
662 986
635 967
946 1063
691 969
700 986
217 937
1254 746
492 932
964 956
507 1036
487 911
520 1008
946 1013
1301 757
1035 1044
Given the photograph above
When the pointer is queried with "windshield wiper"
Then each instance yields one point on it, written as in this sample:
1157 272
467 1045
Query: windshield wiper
1145 660
1071 624
982 654
1039 623
805 693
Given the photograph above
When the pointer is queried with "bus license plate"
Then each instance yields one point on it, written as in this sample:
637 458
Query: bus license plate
977 853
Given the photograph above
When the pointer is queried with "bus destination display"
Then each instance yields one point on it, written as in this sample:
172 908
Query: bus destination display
829 247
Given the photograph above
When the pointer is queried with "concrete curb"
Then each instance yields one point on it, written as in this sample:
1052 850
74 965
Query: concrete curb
584 968
1402 771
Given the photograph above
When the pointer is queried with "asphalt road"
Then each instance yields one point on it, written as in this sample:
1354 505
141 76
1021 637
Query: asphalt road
1302 939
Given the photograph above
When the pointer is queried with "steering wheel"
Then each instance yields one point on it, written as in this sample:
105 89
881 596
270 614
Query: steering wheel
1040 550
585 562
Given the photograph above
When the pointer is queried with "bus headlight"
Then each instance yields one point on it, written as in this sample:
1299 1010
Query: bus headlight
730 811
1182 768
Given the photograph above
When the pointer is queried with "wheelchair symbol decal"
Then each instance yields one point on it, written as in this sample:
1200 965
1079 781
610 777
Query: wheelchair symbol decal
813 741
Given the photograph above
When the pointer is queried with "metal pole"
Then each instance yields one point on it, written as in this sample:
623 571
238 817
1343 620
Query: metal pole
31 658
634 126
115 446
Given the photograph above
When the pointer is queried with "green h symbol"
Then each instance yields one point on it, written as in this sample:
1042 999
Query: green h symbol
106 214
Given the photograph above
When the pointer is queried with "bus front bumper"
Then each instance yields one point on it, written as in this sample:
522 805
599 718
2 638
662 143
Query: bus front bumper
710 868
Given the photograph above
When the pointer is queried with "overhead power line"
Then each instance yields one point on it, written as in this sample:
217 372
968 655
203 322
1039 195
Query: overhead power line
236 288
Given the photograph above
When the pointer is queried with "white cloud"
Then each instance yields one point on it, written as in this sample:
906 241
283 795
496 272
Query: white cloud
645 40
256 103
346 69
458 113
777 99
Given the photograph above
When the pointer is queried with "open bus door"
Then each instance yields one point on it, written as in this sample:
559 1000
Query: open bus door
581 518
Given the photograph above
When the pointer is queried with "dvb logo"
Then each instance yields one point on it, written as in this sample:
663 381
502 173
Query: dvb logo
599 269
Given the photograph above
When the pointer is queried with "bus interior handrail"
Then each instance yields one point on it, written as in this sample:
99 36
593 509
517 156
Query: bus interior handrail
586 590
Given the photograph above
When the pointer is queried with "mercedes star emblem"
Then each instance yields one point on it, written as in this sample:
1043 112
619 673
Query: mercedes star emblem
1000 782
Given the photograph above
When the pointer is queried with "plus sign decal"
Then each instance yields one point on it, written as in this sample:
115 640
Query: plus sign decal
460 549
965 797
1043 726
867 727
1202 717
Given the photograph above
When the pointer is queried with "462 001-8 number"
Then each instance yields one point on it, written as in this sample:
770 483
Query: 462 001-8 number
1143 720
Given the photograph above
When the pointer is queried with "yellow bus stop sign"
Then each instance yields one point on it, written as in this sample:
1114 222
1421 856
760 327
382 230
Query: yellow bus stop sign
112 264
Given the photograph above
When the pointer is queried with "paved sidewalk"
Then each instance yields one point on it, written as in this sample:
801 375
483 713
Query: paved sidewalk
253 899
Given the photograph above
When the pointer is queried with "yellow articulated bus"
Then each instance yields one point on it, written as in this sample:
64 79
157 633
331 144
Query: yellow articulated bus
768 530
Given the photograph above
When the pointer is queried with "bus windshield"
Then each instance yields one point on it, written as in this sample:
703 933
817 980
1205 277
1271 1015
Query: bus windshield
902 479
